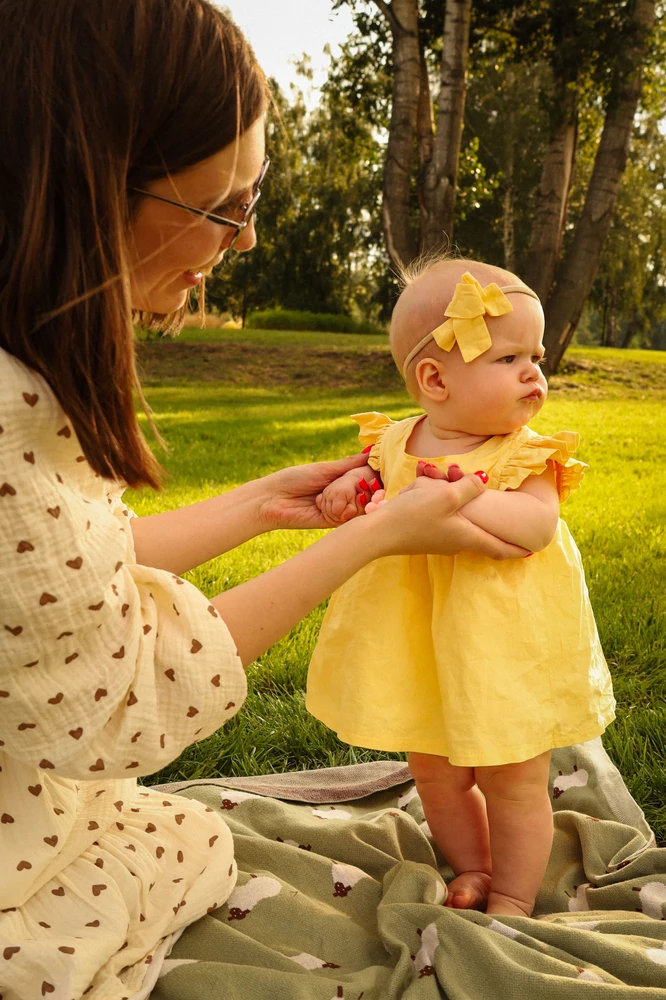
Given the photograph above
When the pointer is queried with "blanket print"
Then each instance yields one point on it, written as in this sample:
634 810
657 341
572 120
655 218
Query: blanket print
343 898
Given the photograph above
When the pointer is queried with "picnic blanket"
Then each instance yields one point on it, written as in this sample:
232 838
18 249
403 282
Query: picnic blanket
340 893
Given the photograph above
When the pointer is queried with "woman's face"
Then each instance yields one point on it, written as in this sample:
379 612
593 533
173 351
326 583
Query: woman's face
168 247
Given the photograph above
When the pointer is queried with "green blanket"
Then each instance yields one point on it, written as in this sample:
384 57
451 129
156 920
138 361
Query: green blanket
340 890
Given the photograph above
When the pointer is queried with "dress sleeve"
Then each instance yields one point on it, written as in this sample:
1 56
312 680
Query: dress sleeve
535 454
372 427
107 668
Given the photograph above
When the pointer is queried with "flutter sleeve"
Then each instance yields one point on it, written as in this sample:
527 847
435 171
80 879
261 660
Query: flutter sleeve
372 427
535 454
107 668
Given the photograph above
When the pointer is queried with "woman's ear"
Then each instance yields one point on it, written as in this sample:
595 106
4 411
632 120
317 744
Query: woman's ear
431 380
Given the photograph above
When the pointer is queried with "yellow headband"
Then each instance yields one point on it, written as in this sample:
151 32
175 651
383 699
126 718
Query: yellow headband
466 325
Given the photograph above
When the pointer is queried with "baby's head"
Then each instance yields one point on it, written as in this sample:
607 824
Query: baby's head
482 375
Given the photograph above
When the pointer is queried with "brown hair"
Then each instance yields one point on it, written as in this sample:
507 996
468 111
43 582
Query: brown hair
99 96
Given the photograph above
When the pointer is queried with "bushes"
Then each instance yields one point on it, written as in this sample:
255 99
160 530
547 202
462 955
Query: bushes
291 319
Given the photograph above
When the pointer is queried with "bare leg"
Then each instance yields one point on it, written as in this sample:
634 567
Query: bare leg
521 832
456 813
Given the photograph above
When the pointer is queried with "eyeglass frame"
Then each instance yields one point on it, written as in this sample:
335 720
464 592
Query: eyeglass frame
219 220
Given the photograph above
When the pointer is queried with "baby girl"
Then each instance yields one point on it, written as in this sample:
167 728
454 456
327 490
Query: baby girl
476 668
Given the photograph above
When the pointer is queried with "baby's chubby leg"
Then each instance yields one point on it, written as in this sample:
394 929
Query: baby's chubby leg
521 832
456 814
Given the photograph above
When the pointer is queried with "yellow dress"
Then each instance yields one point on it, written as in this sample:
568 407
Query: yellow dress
481 661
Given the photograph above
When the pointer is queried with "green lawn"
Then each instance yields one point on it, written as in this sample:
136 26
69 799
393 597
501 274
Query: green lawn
222 434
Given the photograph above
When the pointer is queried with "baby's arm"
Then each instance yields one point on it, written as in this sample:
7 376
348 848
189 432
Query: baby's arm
527 516
341 500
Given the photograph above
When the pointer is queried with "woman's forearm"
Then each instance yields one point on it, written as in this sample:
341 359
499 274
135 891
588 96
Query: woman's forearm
178 540
514 517
261 611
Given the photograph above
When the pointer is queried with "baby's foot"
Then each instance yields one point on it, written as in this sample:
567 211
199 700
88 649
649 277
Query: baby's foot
468 891
502 905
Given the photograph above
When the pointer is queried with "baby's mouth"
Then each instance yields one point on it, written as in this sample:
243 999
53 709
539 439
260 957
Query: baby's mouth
534 394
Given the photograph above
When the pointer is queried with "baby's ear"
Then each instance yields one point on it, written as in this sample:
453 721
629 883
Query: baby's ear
432 380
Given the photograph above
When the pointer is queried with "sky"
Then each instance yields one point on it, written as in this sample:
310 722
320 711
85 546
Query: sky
281 30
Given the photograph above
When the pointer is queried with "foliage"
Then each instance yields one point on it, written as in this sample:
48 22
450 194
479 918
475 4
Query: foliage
292 319
319 247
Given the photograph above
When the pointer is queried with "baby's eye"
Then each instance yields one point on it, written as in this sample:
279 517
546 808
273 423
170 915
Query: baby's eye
538 360
508 359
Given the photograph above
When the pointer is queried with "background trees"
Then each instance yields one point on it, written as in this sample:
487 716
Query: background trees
528 131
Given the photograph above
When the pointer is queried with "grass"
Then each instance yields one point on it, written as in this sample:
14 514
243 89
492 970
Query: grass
223 431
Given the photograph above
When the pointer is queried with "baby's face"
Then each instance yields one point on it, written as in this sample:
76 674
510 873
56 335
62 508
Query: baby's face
503 388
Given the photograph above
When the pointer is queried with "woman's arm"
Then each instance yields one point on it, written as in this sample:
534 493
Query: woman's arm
178 540
424 519
527 516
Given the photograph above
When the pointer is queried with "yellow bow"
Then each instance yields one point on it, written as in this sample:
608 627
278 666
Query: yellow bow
470 303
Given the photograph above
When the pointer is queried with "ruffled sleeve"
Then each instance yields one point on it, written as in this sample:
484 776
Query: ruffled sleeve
534 454
372 427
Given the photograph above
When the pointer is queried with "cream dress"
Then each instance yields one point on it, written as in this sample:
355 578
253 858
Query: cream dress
481 661
108 670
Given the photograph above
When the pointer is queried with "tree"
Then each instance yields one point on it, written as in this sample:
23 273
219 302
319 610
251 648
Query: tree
578 269
317 221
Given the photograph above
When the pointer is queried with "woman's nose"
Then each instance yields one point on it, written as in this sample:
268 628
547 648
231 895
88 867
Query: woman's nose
246 240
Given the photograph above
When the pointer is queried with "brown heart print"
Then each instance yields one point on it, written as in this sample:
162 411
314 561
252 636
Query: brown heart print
76 734
7 490
58 892
64 432
74 563
215 681
23 866
29 456
47 988
47 598
24 546
8 952
56 699
53 511
97 766
6 818
30 398
51 841
170 673
196 646
192 711
97 889
35 789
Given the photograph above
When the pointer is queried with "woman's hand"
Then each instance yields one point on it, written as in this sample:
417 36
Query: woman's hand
289 497
425 518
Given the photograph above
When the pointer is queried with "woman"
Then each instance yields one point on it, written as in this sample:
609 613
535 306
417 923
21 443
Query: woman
125 122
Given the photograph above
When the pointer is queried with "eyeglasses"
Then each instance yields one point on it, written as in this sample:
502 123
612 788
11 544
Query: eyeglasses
220 220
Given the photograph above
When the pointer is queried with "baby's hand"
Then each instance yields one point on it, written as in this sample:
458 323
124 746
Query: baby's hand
346 497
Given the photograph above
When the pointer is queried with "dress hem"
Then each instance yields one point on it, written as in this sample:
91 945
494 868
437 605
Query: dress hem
469 759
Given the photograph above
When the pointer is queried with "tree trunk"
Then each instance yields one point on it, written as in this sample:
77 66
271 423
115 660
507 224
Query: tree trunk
551 208
509 198
441 174
579 268
399 233
557 169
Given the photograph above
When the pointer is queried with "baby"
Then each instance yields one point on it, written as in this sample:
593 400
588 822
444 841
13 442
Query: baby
476 668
